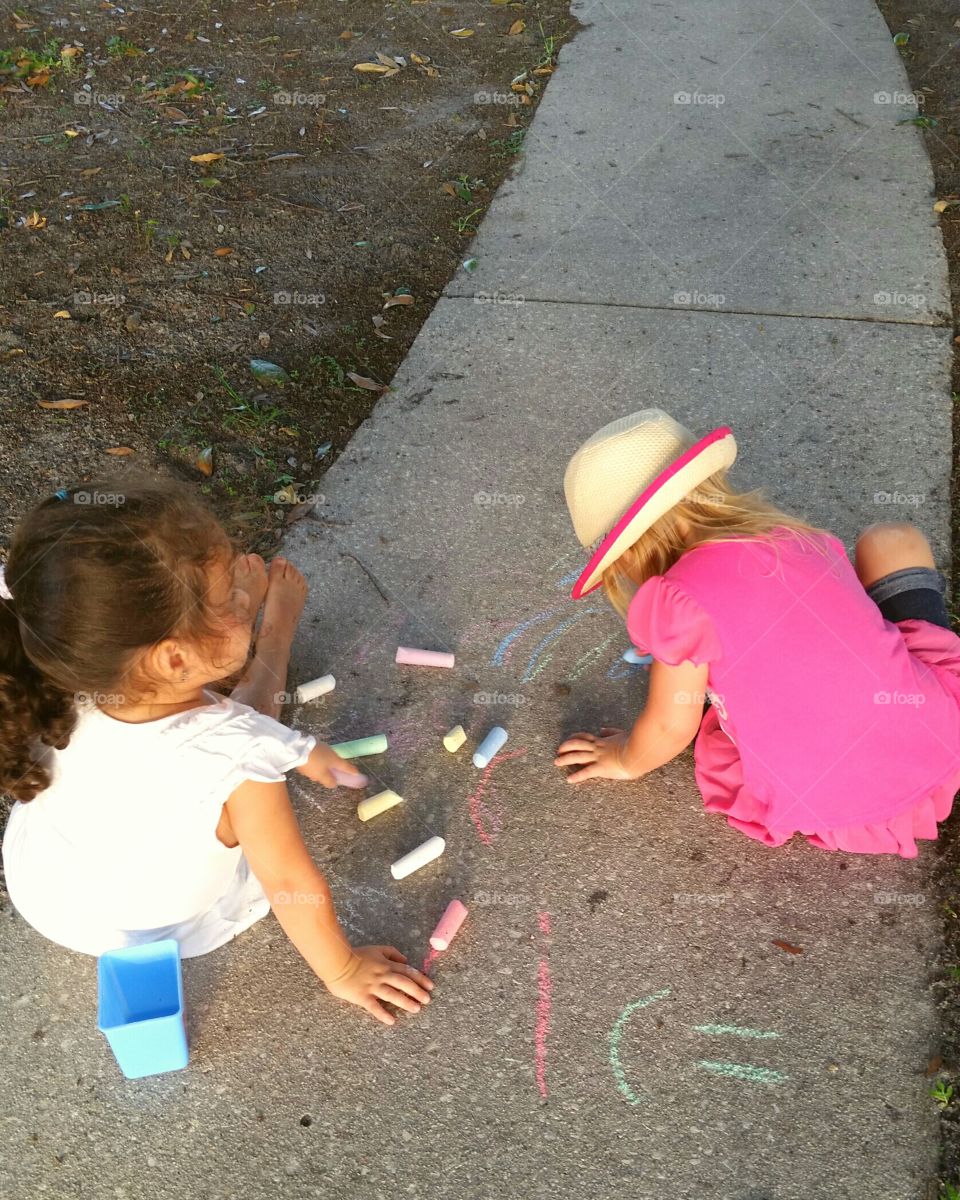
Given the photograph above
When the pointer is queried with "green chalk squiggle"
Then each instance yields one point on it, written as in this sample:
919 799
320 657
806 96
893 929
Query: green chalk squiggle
616 1034
737 1031
732 1070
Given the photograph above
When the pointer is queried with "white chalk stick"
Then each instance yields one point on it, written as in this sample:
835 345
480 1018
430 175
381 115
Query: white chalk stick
373 806
638 659
454 739
447 926
490 746
315 688
411 657
432 848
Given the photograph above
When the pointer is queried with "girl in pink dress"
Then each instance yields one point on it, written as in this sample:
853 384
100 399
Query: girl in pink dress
832 691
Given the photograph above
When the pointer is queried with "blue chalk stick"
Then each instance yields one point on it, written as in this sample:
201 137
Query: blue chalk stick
639 660
490 746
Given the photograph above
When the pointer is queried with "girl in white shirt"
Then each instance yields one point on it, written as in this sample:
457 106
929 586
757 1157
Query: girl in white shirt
149 805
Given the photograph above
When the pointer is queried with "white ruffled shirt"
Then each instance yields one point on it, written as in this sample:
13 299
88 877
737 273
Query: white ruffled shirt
121 848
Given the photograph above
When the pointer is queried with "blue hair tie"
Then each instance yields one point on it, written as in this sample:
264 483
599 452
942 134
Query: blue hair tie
62 494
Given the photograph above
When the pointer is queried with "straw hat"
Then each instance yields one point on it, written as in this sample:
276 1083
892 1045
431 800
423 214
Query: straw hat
628 475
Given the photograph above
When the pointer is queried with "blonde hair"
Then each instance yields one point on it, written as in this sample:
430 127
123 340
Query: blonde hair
712 512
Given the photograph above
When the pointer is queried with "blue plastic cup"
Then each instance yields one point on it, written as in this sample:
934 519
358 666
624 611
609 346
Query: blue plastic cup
140 1007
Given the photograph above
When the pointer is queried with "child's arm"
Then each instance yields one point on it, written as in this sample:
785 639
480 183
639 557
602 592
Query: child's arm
667 725
325 765
265 825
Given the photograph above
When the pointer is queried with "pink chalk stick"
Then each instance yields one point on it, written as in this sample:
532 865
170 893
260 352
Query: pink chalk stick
350 781
450 922
424 658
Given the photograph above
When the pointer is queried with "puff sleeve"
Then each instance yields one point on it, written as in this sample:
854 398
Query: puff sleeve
235 743
663 620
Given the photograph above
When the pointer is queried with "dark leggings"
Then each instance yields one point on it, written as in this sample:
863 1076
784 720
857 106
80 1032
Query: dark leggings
914 594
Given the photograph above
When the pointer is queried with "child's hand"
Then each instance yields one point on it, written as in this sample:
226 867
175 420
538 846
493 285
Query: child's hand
599 757
327 767
380 973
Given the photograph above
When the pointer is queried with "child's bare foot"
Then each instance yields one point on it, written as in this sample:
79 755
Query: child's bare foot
286 596
250 576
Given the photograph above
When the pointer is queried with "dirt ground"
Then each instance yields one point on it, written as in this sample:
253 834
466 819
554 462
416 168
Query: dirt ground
185 192
931 55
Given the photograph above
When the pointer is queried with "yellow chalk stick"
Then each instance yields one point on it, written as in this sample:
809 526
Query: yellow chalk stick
373 806
454 739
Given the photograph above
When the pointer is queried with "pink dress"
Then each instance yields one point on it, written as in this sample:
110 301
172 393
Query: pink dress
826 719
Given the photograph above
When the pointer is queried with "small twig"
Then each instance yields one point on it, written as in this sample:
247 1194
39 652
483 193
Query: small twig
369 574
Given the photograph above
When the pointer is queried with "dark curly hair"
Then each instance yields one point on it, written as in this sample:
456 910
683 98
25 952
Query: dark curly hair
98 574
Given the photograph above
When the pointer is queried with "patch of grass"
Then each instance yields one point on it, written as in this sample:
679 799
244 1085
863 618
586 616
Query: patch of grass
509 146
549 43
465 224
248 416
464 186
118 47
22 61
949 1192
942 1092
336 376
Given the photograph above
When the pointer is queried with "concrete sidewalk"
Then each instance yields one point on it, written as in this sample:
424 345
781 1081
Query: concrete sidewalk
616 1018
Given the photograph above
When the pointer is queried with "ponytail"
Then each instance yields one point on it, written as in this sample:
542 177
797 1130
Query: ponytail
33 711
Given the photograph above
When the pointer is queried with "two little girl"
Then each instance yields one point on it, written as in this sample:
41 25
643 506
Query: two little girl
149 805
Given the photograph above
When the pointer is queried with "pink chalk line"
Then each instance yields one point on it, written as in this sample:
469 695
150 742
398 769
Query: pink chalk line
431 958
544 1000
475 801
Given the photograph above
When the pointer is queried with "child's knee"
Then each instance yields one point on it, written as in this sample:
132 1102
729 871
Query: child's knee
890 546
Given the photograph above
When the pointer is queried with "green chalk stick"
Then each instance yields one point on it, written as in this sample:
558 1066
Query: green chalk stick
361 746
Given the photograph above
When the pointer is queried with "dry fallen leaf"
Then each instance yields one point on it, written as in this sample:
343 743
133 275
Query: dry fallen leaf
204 463
448 188
394 300
362 381
421 60
517 27
367 68
461 33
299 511
346 35
35 221
934 1065
72 132
40 79
790 949
88 171
944 205
223 251
120 451
63 314
206 158
377 322
62 404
